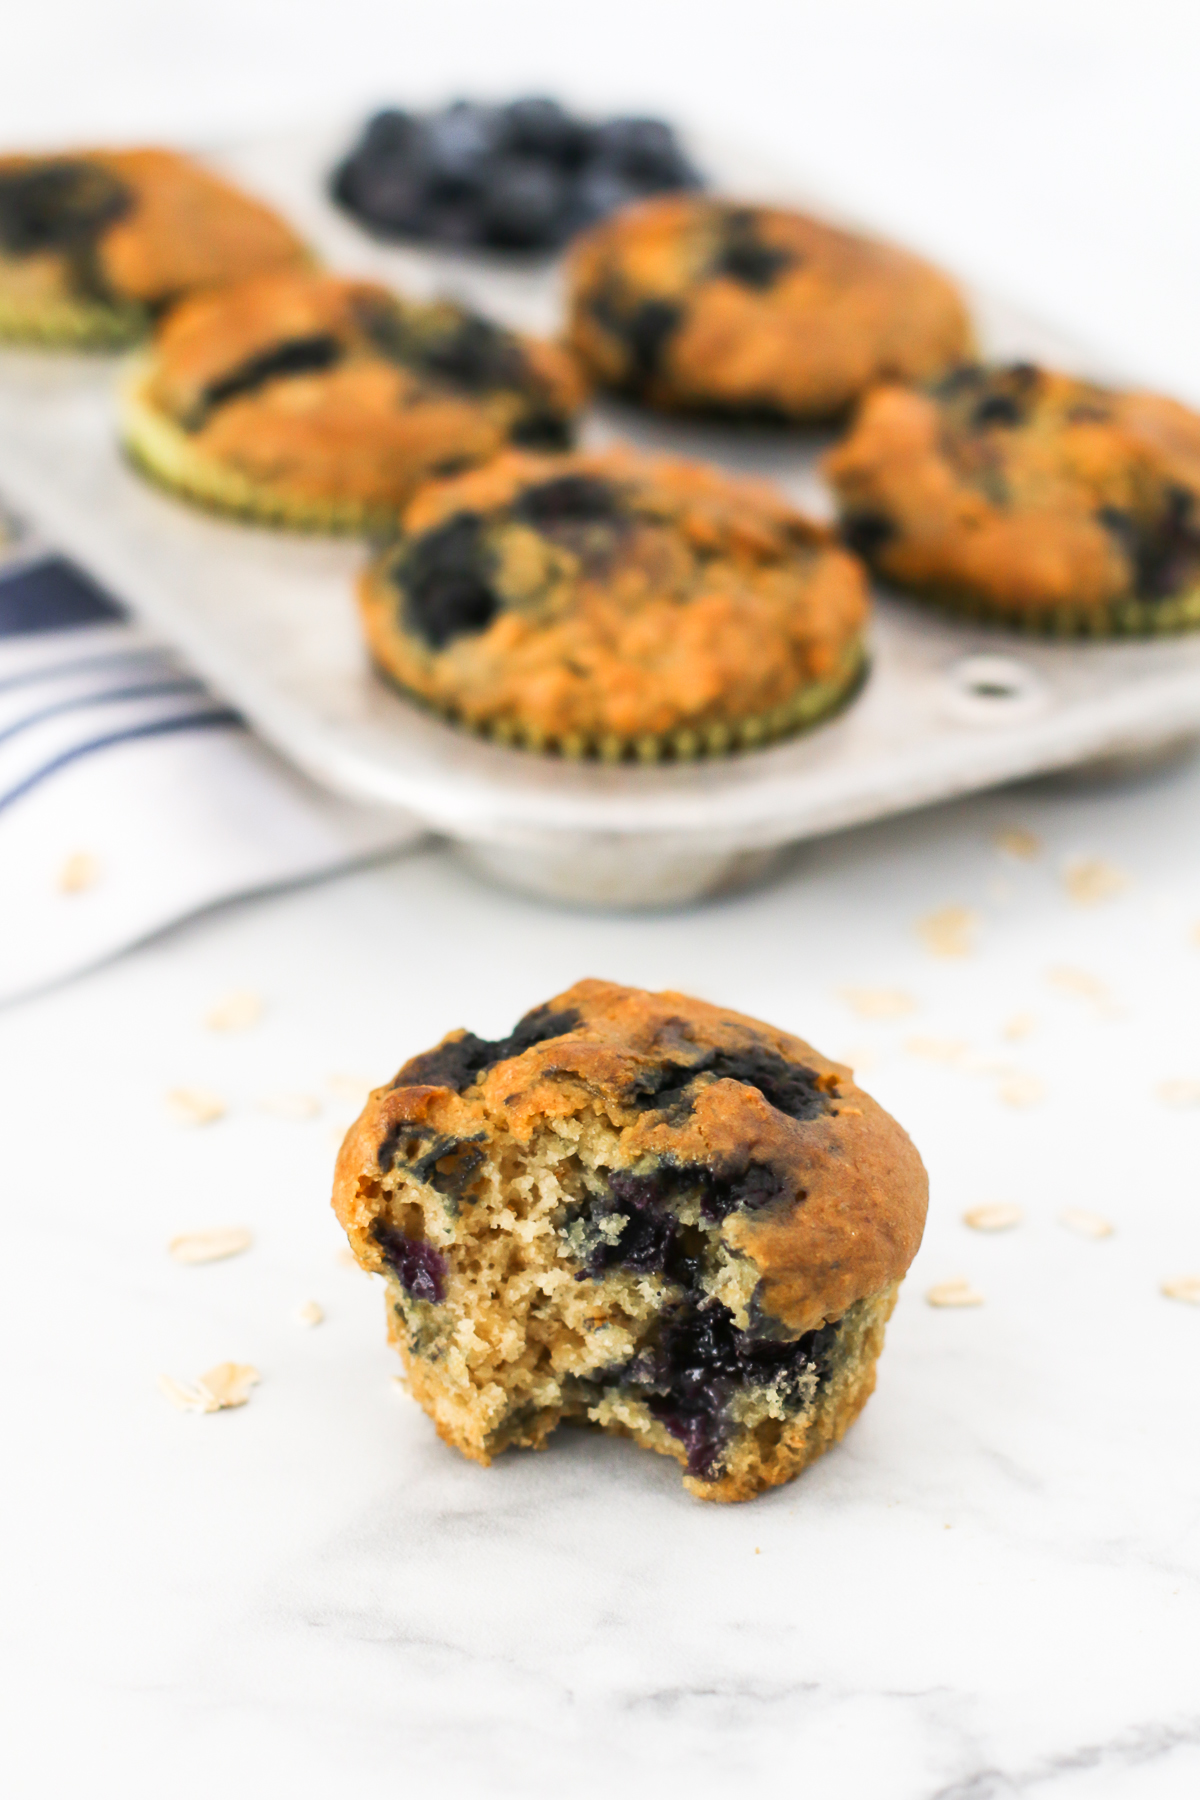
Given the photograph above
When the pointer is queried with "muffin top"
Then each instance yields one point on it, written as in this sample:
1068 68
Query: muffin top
135 225
597 600
805 1174
339 387
1028 489
693 302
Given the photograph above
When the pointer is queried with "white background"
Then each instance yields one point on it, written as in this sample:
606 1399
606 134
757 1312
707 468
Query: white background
1048 148
993 1588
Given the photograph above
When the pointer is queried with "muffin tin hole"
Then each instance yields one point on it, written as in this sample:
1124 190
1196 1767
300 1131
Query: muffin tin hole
992 690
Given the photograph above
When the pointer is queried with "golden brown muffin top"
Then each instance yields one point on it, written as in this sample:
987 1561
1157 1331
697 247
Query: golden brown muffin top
149 224
1029 488
609 595
334 388
691 301
806 1175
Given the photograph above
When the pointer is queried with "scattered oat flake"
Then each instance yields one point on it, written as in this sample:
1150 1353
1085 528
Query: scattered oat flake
995 1215
347 1258
1196 932
1017 842
81 870
1084 1223
1183 1287
878 1002
949 931
236 1012
310 1313
290 1106
947 1050
1091 880
1179 1092
1077 982
956 1292
225 1386
863 1056
1022 1090
1021 1025
194 1106
209 1246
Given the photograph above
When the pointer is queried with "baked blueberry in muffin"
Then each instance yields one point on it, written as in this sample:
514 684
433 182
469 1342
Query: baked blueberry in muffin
1030 497
92 244
639 1212
616 605
318 402
702 304
520 177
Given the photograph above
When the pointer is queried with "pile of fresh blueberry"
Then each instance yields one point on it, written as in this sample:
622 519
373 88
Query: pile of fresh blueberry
525 176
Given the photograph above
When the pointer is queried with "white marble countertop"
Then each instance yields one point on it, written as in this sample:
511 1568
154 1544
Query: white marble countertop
992 1588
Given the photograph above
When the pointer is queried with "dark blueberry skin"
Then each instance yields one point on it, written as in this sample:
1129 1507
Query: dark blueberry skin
1165 550
866 533
644 329
476 356
419 1268
432 1147
542 128
522 177
58 206
522 203
701 1360
295 356
993 396
746 258
997 409
445 577
789 1087
458 1065
445 582
568 500
644 151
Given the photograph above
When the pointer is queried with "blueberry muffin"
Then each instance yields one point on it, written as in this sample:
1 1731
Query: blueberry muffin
693 303
1029 497
616 605
639 1212
94 243
323 403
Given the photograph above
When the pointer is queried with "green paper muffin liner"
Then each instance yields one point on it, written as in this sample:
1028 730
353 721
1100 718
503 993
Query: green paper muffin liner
1120 618
809 706
71 324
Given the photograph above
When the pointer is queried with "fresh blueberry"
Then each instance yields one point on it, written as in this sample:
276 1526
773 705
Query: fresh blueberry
446 582
541 127
645 151
56 205
522 203
453 149
601 189
391 134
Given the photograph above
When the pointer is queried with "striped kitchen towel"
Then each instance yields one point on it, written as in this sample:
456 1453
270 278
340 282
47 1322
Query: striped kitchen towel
130 795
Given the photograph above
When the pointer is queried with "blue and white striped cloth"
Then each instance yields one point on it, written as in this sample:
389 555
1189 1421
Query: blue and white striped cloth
130 795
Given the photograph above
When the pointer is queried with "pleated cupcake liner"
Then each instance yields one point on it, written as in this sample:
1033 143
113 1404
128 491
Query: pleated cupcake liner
810 705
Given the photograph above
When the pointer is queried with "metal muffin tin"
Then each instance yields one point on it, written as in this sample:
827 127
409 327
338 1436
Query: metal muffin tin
270 620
